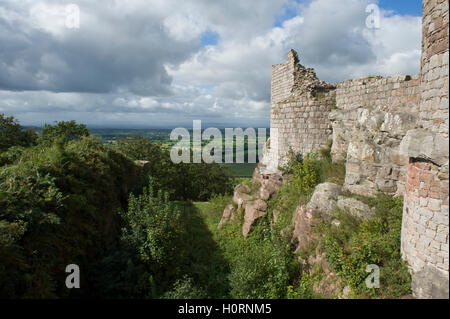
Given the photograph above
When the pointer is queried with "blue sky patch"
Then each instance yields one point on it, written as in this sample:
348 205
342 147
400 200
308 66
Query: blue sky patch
288 14
209 38
403 7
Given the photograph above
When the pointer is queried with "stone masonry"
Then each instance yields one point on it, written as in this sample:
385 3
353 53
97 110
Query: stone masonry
392 134
300 105
425 228
373 115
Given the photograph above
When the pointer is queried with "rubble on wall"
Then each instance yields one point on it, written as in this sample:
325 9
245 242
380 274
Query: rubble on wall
373 115
300 104
425 225
393 135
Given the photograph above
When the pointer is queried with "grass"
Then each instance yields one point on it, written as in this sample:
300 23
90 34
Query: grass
241 170
264 264
356 243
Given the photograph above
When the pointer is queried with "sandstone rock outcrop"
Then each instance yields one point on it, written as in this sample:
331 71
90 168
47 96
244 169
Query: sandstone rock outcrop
229 214
241 195
324 197
355 207
253 212
270 184
302 223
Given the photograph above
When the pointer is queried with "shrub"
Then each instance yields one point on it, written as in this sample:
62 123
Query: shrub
183 181
185 289
306 173
12 134
356 244
259 270
57 207
62 131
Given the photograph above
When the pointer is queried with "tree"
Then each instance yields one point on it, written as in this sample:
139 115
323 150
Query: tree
183 181
58 205
62 131
12 134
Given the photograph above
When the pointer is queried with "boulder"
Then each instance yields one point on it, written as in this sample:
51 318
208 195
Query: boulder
257 176
260 205
425 145
264 193
228 215
241 195
270 184
355 207
324 197
253 212
302 223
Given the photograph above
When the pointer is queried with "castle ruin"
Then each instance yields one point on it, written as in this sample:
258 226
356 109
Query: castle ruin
392 133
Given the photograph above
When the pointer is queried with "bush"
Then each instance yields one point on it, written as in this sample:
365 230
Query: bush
356 244
185 289
183 181
153 227
11 155
12 134
63 132
57 207
259 271
306 173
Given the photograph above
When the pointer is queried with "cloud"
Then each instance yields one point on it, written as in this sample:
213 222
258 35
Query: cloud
147 63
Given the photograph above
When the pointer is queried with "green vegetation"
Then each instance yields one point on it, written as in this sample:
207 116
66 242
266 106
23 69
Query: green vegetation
241 170
60 198
149 229
355 244
57 206
62 132
12 134
183 181
259 266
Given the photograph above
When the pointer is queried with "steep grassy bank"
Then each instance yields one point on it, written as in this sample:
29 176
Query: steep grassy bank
265 265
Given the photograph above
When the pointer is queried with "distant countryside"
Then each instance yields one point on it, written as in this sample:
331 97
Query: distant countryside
162 137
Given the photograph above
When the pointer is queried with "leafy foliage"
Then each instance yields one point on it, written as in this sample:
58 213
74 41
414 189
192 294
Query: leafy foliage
183 181
63 132
356 244
57 207
166 251
12 134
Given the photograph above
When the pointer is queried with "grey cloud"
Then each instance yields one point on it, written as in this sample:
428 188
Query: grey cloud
111 50
137 62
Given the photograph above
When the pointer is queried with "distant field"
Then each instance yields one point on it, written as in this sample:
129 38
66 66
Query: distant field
162 136
241 170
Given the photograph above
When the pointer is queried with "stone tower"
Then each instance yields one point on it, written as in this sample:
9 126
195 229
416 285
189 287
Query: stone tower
300 104
425 228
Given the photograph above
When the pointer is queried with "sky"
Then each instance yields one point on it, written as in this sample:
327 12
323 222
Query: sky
165 63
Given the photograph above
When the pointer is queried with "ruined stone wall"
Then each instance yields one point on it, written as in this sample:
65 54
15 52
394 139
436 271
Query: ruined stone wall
425 228
300 105
393 134
433 114
397 93
373 115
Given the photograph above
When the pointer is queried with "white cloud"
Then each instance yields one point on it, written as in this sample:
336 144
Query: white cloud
136 62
